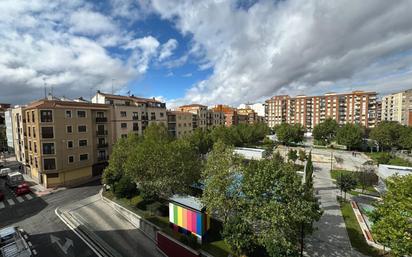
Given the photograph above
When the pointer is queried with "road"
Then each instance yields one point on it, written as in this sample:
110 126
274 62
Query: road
48 234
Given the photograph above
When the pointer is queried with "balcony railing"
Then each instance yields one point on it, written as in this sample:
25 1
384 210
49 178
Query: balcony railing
102 145
101 119
101 132
103 158
135 117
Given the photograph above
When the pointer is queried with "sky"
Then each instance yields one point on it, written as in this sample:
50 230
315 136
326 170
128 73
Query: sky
198 51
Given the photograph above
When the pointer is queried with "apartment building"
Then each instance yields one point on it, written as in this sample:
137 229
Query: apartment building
180 123
19 134
201 113
3 109
215 118
231 116
132 114
397 107
248 116
67 141
356 107
259 108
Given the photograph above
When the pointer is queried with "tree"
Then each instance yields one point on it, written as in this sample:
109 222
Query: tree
350 135
392 217
367 176
292 155
405 138
239 235
201 141
309 171
387 134
223 134
346 182
162 166
302 155
288 134
325 132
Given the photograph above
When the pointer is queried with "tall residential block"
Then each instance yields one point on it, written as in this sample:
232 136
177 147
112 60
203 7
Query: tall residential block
68 142
356 107
180 123
397 107
231 116
132 114
201 112
19 135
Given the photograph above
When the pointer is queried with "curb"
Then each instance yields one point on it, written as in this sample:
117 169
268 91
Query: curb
85 235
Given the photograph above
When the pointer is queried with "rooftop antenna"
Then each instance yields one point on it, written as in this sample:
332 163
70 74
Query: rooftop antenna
45 86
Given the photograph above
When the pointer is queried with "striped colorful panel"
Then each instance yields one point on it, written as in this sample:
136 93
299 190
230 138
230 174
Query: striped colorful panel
195 222
180 216
171 213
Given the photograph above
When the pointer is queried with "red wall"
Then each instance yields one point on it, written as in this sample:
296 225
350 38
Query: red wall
172 248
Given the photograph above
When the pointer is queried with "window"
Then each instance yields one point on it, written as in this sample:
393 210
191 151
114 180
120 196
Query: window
47 132
84 157
152 116
45 116
49 164
53 175
81 114
30 145
48 148
34 132
69 144
71 159
82 128
100 114
123 125
32 116
29 130
35 162
162 115
82 142
135 126
68 114
28 116
69 129
123 114
35 147
135 116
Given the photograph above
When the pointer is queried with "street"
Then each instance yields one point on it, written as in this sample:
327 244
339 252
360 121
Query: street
48 234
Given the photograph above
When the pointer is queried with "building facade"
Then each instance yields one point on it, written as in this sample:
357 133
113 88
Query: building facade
356 107
215 118
201 112
231 116
19 134
180 123
132 114
397 107
67 142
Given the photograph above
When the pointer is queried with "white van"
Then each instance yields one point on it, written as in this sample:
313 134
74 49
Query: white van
14 179
4 172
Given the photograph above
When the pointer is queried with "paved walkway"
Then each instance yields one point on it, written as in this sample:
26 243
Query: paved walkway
109 229
330 239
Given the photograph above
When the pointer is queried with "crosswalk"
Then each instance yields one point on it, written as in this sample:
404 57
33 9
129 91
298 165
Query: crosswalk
13 200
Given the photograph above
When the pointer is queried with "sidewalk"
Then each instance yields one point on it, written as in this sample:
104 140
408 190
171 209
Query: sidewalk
331 238
39 189
108 229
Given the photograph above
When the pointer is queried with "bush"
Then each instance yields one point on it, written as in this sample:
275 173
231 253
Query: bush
125 188
383 158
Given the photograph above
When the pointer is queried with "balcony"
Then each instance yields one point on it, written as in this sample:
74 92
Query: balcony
102 145
102 158
135 117
101 119
101 133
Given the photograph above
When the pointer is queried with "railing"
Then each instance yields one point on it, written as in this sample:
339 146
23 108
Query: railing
135 117
102 145
101 119
103 158
101 132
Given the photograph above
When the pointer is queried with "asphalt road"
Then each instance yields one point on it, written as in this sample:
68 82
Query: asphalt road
48 234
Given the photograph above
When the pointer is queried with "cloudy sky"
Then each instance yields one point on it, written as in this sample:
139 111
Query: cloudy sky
207 51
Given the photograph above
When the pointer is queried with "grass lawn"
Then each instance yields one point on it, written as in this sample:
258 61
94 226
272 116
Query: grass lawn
215 245
387 158
355 233
368 190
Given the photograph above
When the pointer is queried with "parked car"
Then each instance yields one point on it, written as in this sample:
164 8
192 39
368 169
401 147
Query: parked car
1 196
14 179
4 172
13 243
22 189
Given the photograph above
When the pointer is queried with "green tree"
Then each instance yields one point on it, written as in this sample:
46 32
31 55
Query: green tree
325 132
238 234
302 155
125 187
223 134
201 140
309 171
405 138
288 134
387 134
162 166
350 135
346 182
292 155
392 217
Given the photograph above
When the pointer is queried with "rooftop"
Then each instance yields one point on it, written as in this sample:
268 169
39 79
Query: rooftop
132 98
64 104
385 171
192 105
187 201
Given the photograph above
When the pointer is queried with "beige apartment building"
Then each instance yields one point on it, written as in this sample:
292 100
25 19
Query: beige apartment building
201 112
180 123
68 142
358 107
215 118
132 114
248 115
397 107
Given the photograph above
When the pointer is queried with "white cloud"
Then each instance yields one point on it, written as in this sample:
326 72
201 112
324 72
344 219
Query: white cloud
91 23
167 49
291 46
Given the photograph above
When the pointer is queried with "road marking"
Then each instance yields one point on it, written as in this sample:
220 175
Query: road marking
20 199
2 205
25 237
28 197
10 201
65 247
34 252
30 244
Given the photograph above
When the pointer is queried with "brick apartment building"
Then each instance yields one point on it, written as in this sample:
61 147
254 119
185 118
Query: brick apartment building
358 107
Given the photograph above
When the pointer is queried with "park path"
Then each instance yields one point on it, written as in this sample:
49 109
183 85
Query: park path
330 239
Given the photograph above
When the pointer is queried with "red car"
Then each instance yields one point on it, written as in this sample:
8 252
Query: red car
22 189
1 196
